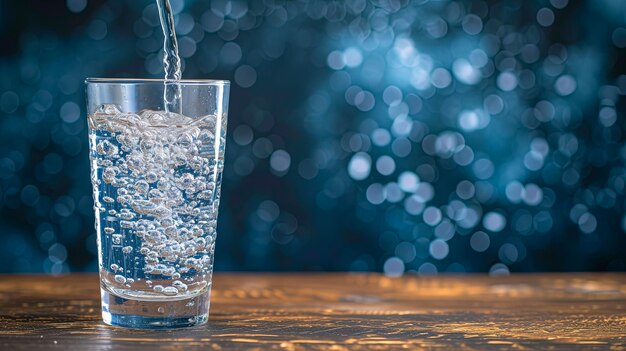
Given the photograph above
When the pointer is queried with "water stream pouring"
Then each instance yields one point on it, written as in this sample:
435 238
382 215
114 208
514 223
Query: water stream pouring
171 61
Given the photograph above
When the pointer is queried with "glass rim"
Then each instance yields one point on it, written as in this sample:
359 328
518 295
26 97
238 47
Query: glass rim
122 81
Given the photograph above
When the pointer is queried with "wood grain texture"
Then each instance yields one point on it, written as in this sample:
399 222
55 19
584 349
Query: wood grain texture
336 312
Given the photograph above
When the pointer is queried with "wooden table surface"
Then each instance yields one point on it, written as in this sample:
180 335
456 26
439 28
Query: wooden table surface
336 312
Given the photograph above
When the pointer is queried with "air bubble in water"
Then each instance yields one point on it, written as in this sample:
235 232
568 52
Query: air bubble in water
106 148
117 239
185 181
170 231
170 291
127 216
124 199
162 211
146 145
143 206
120 279
151 177
126 224
142 187
205 195
180 286
108 175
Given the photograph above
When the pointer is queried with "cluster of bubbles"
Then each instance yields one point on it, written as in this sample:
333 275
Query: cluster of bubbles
156 187
388 135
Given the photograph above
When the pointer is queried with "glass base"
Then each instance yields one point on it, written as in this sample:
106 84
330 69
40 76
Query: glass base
155 314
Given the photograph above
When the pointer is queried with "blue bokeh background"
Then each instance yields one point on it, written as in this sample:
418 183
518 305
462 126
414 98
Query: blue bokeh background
364 135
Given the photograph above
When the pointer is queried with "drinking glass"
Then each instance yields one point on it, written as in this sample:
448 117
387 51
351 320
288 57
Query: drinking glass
156 179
